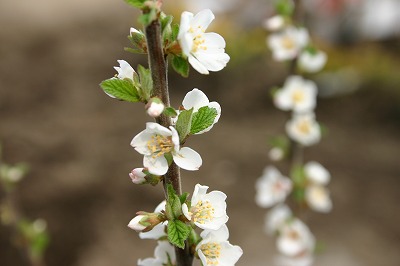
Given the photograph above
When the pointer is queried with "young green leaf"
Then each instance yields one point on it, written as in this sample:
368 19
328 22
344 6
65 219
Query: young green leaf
146 82
183 197
178 232
284 7
136 3
183 123
138 41
174 202
180 65
122 89
149 17
202 119
175 31
169 111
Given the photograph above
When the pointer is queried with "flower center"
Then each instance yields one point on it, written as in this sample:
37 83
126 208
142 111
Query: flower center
318 194
298 96
304 127
203 212
212 251
294 235
159 145
288 42
198 40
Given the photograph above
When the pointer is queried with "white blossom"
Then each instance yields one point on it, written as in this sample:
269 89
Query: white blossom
272 187
316 173
312 62
297 94
205 51
303 129
156 141
295 239
207 210
125 71
276 154
276 218
135 223
274 23
318 199
137 176
159 230
287 44
163 255
215 248
196 99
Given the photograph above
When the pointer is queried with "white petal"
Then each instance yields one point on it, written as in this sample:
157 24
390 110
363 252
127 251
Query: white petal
230 254
214 40
156 166
175 138
203 19
276 218
318 198
139 142
199 192
163 250
212 61
149 262
160 207
222 234
125 70
186 18
186 42
186 212
316 173
197 65
195 99
156 233
188 159
158 129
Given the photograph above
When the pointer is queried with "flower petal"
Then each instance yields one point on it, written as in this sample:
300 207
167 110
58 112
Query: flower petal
195 99
156 166
188 159
203 19
196 64
139 142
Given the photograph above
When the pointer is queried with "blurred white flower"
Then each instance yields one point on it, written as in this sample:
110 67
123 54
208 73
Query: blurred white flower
196 99
287 44
276 154
125 71
316 173
164 254
274 23
215 248
297 94
276 218
159 230
295 239
205 51
156 141
208 210
312 62
318 198
137 176
272 187
303 129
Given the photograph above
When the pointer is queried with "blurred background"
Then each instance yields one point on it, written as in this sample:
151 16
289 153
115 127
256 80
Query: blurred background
55 117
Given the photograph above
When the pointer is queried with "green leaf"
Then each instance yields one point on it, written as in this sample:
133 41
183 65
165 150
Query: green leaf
183 197
136 3
202 119
183 123
285 7
165 21
146 82
122 89
299 194
180 65
175 31
169 111
174 202
149 17
178 232
138 41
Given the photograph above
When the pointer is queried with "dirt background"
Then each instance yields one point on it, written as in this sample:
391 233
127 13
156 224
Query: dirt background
54 116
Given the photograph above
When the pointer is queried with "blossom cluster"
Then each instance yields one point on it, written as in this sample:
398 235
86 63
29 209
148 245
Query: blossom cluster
163 145
307 182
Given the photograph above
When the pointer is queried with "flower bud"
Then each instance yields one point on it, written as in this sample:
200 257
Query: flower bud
274 23
154 107
136 225
276 154
137 176
146 221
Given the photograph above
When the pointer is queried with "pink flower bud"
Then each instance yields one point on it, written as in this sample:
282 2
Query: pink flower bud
137 176
154 107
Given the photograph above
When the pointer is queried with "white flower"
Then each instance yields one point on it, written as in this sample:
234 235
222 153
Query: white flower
272 187
274 23
196 99
303 129
208 210
318 198
215 248
297 94
295 239
276 218
159 230
287 45
312 62
137 176
316 173
125 71
205 51
135 223
154 107
155 141
164 255
276 154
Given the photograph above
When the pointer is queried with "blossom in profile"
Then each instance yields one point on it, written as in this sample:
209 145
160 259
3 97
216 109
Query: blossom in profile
288 43
276 218
295 239
272 187
164 254
316 173
158 231
196 99
318 198
312 61
125 71
205 50
137 176
297 94
215 248
207 210
303 129
156 141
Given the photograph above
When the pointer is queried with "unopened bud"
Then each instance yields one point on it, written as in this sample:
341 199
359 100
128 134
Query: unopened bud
274 23
136 223
276 154
154 107
137 176
145 221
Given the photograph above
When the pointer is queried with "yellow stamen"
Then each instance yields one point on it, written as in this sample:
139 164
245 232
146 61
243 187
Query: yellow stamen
203 212
159 145
212 251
